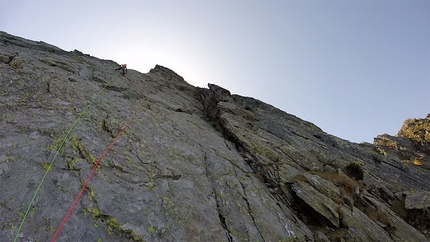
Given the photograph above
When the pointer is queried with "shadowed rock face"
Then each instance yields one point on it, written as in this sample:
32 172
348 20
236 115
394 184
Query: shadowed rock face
195 164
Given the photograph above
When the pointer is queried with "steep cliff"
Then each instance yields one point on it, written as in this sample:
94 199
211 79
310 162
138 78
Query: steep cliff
188 163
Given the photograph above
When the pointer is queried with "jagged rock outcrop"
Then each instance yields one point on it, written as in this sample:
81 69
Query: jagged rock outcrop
195 164
412 143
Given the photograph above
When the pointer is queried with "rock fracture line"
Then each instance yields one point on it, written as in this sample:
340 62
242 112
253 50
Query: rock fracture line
55 156
95 167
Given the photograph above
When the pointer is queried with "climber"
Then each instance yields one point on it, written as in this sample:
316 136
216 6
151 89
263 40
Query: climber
123 67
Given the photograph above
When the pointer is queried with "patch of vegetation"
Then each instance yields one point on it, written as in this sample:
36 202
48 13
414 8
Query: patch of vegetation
378 216
167 202
8 118
71 164
94 212
302 178
349 189
341 180
151 229
46 166
354 170
150 185
338 235
91 193
115 227
50 228
10 223
9 158
76 145
79 147
92 158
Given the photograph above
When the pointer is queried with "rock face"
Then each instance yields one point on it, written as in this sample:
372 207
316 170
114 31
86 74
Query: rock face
193 164
412 143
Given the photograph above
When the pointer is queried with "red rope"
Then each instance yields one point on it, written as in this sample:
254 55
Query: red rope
92 172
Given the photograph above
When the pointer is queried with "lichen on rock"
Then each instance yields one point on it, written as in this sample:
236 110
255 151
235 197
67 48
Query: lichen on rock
195 164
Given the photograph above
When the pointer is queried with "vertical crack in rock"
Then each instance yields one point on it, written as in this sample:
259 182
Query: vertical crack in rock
210 100
43 89
217 199
250 209
224 225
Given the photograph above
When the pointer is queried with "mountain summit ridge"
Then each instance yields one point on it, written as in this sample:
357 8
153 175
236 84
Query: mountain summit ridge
195 164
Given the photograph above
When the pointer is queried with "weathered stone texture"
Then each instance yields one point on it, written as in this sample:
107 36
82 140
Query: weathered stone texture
195 164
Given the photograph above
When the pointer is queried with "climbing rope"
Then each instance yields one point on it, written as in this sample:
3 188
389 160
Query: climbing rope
55 156
95 167
91 174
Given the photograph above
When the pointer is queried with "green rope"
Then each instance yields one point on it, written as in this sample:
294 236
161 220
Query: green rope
56 154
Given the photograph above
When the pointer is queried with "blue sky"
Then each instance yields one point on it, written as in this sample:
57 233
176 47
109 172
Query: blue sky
356 69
